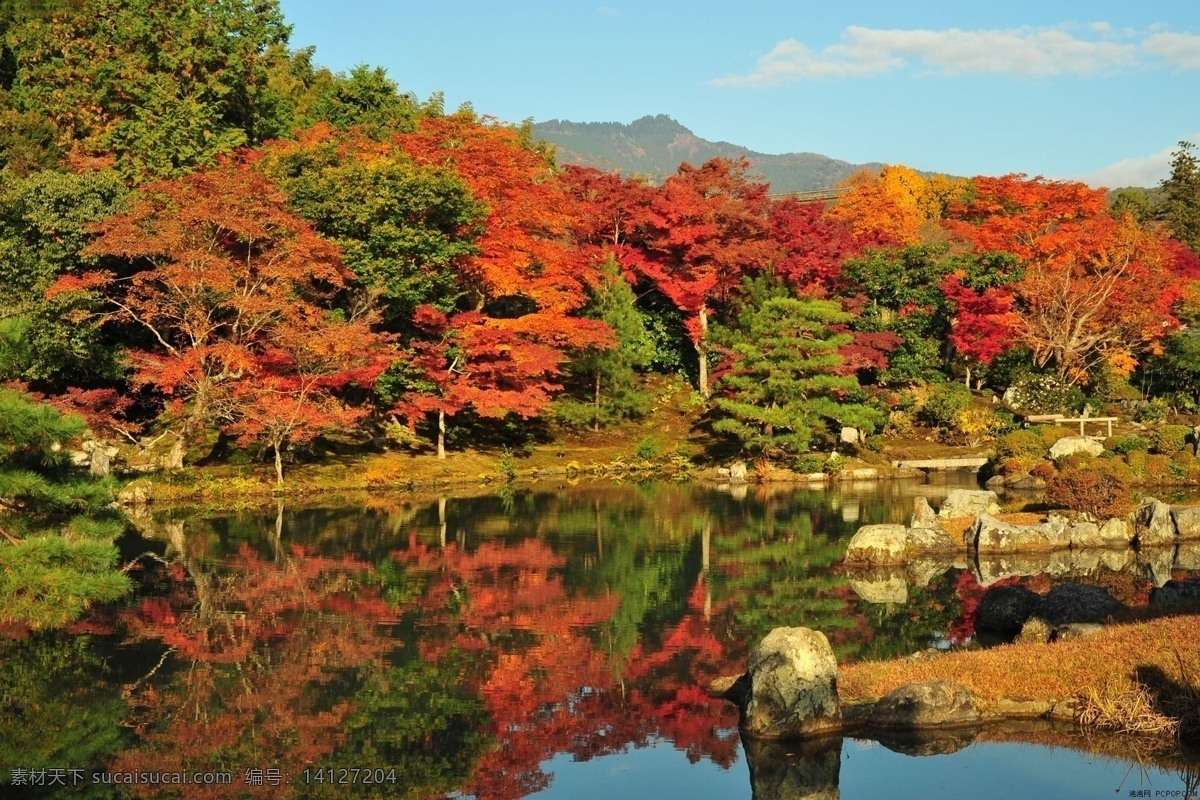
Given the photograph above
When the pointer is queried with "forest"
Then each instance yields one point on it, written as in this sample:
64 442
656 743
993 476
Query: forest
209 241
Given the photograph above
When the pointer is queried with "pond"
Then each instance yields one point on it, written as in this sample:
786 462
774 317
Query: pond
547 642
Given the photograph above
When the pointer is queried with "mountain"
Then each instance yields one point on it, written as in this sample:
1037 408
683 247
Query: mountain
655 146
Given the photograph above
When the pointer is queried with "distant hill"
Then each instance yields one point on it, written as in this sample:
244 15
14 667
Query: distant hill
655 147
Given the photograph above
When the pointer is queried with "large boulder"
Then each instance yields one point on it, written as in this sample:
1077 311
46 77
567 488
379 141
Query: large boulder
878 545
135 494
793 686
737 472
1116 533
990 535
1071 445
923 515
1077 602
929 540
968 503
1187 522
1152 523
933 704
1004 609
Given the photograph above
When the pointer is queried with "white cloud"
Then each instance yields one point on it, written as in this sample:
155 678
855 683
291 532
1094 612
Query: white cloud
1084 50
1180 50
1142 171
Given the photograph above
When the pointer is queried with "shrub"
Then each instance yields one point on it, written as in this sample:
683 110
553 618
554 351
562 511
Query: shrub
1046 394
1090 490
809 463
1154 411
978 425
945 403
508 465
1170 439
1044 470
1127 444
1136 459
899 424
1020 443
1050 434
647 449
1012 466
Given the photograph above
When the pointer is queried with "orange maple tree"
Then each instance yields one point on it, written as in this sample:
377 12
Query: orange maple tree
1096 289
234 292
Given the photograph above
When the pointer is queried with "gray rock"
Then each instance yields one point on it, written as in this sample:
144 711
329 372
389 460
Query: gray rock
1176 592
990 535
850 436
995 482
1187 522
737 472
923 515
1153 524
135 494
100 465
930 540
79 458
931 704
1076 630
1003 610
968 503
1085 534
1077 602
793 686
1071 445
1027 483
1116 533
879 584
879 545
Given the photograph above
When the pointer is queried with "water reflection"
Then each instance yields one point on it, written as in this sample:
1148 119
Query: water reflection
461 645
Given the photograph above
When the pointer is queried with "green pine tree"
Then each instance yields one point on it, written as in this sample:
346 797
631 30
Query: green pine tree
1183 196
782 387
52 565
612 374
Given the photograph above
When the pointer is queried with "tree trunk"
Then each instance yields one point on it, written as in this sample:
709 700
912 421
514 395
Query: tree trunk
278 463
596 405
968 377
441 434
702 352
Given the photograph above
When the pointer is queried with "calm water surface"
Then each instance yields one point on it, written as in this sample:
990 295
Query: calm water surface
551 642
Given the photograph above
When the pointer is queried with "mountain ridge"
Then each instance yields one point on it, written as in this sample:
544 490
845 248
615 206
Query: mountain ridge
653 146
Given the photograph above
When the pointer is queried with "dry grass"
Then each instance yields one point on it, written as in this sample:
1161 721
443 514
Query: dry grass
1111 661
1123 709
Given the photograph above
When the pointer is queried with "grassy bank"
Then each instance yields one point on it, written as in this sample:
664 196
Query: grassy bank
1128 676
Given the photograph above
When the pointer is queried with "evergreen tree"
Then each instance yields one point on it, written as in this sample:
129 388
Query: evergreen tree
1183 196
612 373
50 571
783 386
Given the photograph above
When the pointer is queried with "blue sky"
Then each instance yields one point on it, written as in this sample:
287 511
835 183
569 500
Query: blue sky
1096 90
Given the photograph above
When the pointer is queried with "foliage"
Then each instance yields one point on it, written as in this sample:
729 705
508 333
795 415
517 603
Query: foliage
1182 203
1099 493
404 228
781 387
944 406
1154 411
611 372
978 425
1178 368
47 576
1127 444
1046 394
1170 439
809 463
1096 289
164 87
647 449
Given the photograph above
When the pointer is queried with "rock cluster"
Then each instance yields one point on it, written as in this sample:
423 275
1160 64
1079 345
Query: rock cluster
1069 611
